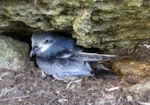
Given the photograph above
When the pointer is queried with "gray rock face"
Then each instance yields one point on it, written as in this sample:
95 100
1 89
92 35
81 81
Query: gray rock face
13 54
103 24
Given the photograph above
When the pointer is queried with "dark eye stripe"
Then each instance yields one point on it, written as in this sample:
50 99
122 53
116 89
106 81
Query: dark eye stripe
51 41
46 41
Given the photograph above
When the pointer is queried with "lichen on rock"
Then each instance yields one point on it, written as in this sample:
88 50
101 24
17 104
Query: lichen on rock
13 54
94 23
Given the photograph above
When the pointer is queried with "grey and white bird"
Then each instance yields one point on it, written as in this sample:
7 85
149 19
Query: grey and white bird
59 56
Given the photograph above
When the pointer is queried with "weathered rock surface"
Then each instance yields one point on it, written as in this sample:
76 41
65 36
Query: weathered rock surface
139 52
140 87
13 54
101 24
132 67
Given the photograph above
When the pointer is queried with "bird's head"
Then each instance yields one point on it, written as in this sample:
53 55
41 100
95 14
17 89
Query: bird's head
41 42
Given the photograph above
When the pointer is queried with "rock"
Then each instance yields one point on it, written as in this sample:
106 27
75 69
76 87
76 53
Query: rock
103 24
140 87
140 52
13 54
132 67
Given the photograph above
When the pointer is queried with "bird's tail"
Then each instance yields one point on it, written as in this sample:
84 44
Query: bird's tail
100 71
96 57
105 74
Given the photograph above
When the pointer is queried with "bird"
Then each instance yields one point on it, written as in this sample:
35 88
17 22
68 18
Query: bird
61 58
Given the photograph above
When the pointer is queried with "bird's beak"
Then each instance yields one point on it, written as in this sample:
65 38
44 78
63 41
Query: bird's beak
33 51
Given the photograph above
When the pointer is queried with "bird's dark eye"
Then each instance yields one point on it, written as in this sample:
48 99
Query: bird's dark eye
46 41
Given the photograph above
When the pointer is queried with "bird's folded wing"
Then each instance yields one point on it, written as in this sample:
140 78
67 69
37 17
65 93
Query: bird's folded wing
66 53
95 57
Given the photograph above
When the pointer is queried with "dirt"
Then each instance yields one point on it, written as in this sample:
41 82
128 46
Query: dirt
27 87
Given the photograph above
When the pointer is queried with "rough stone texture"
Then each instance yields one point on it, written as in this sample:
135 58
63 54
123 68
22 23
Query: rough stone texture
132 67
140 87
13 54
101 24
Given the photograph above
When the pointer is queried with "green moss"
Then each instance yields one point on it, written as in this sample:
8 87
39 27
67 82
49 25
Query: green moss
13 53
101 24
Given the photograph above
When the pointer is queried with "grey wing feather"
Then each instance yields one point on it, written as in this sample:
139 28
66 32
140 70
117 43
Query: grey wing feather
66 53
71 66
95 57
